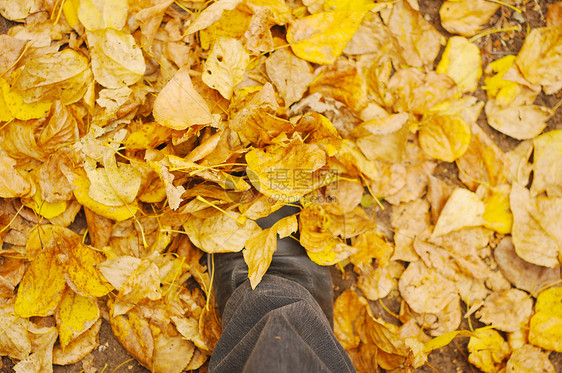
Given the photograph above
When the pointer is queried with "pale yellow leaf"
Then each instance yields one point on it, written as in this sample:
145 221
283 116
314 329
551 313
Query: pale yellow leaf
179 105
211 14
225 65
461 61
463 209
102 14
75 315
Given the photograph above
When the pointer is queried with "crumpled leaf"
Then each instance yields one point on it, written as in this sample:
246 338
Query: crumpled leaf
463 209
42 287
445 137
461 61
63 76
13 105
102 14
75 315
466 17
14 340
171 354
540 58
420 41
283 172
260 248
133 332
424 289
220 233
179 106
487 350
290 74
508 311
528 359
17 10
116 59
532 242
41 359
546 324
144 283
225 65
117 270
321 37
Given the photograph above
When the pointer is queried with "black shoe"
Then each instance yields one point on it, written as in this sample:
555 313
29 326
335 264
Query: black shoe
289 261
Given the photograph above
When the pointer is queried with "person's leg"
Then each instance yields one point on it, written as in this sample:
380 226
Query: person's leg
278 327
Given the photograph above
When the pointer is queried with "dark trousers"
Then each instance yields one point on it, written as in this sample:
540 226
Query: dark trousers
278 327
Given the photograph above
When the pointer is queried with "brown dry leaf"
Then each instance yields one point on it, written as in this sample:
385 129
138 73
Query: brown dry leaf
424 289
14 340
41 358
554 15
13 183
532 243
518 121
508 311
466 17
133 332
540 58
143 283
150 19
171 354
409 220
547 167
415 92
290 75
371 245
523 275
529 359
419 40
377 283
487 350
17 10
117 270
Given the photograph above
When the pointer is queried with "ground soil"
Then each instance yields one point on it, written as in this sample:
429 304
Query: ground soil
111 357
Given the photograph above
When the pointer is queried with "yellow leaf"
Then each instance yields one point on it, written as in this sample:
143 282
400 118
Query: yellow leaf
70 11
211 14
233 24
348 309
18 108
445 339
118 213
461 61
322 37
80 266
13 182
220 233
46 209
497 87
445 137
41 288
497 215
546 324
487 350
102 14
179 106
117 61
148 136
79 348
463 209
225 65
290 74
548 164
466 17
276 168
259 249
540 58
75 315
62 76
134 334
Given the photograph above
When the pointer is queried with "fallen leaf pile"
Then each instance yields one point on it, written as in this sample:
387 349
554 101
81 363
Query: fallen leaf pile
171 126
